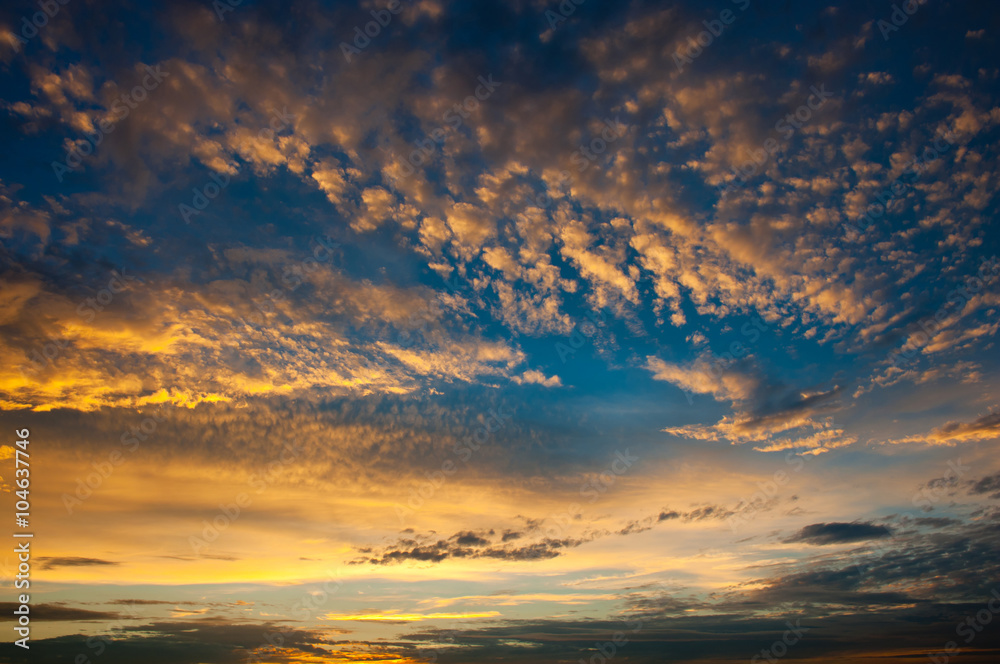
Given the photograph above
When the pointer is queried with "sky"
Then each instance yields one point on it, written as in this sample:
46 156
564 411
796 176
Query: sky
462 332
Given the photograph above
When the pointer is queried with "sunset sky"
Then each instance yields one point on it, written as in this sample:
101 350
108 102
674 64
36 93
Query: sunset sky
491 331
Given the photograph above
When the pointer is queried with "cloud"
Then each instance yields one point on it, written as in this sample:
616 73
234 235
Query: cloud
839 533
986 427
402 618
248 329
777 418
484 545
535 377
59 613
72 561
465 545
188 642
704 377
989 484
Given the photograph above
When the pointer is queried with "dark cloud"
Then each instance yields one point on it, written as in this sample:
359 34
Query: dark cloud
778 405
989 484
56 613
194 642
935 521
466 545
708 512
152 602
838 533
72 561
653 636
987 426
470 539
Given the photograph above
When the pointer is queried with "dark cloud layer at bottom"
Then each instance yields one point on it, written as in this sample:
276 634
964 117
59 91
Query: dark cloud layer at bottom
925 629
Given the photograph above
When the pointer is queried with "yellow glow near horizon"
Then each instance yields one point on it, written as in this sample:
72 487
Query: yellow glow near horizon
408 617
